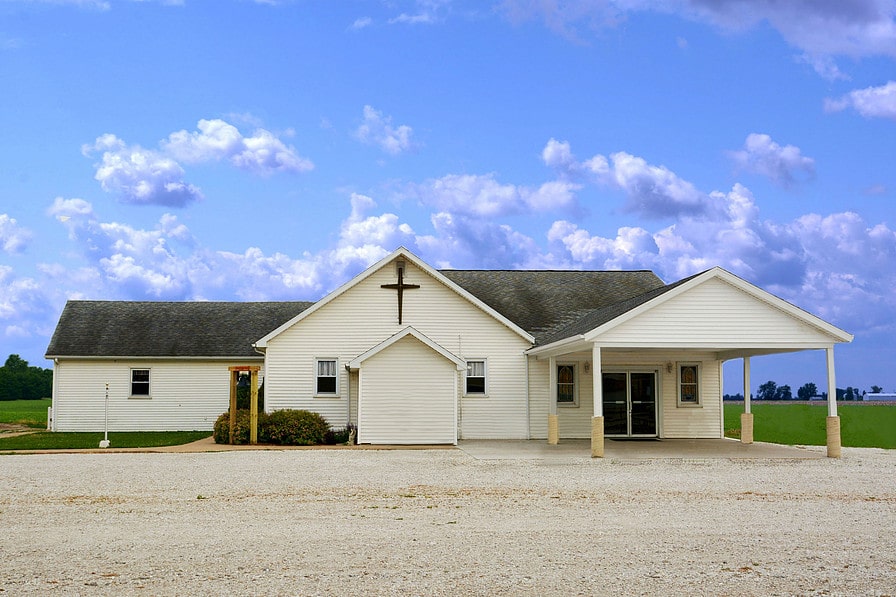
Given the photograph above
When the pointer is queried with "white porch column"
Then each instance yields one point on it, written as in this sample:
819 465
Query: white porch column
833 421
553 423
597 421
746 419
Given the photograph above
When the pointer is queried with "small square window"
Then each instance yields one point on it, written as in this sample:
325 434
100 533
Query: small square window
326 377
688 385
139 382
475 377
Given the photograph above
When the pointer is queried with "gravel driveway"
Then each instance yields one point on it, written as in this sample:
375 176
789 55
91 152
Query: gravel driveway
442 522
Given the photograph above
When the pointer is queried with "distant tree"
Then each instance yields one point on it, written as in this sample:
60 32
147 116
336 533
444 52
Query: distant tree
783 393
767 391
806 391
18 381
850 394
876 389
737 396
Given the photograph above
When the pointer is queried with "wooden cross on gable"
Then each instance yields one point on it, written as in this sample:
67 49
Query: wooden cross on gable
400 286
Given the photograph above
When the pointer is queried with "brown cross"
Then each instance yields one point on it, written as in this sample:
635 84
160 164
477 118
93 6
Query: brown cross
400 287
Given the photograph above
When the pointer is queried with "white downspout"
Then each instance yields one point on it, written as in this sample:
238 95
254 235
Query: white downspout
528 414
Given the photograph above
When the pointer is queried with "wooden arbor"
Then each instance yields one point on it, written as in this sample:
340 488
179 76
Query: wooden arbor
253 399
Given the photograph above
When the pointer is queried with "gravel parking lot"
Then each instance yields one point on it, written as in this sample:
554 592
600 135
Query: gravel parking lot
441 522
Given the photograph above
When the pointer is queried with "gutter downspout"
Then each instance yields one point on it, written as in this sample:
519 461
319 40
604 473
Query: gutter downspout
348 409
55 390
528 414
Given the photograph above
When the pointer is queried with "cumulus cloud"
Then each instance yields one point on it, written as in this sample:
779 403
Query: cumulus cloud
378 130
147 176
261 153
871 102
483 196
13 238
782 165
140 175
652 191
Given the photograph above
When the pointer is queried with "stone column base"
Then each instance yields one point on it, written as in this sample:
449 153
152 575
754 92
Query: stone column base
553 430
746 428
833 426
597 437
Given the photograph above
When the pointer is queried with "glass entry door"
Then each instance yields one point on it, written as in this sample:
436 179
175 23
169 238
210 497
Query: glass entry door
629 400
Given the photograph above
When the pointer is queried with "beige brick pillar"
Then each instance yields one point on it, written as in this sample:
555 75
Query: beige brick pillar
553 429
833 427
597 437
746 428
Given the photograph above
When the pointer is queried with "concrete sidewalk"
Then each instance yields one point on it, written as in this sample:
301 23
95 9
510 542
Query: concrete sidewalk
566 450
690 449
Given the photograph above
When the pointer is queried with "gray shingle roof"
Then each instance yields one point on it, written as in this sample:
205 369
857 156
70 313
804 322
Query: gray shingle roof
543 302
597 317
549 304
166 329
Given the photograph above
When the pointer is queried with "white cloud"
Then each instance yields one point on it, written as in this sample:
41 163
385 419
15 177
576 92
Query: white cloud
483 196
140 175
146 176
361 23
871 102
378 130
819 30
262 153
13 238
652 191
782 165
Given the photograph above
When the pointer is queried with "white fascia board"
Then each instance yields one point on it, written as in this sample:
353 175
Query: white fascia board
739 283
559 347
151 358
408 331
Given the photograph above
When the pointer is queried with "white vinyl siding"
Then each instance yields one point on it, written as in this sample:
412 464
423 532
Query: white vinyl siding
186 395
714 314
396 408
366 315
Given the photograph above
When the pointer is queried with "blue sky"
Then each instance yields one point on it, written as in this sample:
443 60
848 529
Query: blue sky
240 150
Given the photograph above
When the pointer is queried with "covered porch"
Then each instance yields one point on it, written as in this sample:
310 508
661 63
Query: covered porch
653 368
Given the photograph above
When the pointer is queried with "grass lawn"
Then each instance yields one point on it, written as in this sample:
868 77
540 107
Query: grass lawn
861 425
45 440
31 413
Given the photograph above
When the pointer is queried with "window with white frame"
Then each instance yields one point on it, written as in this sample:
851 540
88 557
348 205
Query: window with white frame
475 377
566 385
140 383
688 384
326 377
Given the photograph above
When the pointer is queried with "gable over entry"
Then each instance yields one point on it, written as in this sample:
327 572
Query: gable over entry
407 391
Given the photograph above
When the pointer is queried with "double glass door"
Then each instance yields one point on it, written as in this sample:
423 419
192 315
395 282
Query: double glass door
629 400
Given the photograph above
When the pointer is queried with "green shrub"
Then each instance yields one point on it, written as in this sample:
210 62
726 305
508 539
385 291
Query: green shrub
283 428
241 430
294 428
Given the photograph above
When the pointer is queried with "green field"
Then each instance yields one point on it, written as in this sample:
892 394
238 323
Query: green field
861 425
31 413
45 440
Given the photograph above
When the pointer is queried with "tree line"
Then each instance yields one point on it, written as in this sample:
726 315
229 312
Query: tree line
19 381
772 391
